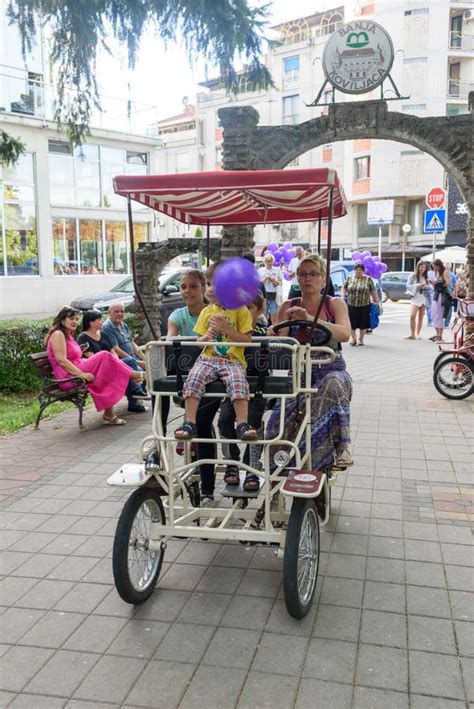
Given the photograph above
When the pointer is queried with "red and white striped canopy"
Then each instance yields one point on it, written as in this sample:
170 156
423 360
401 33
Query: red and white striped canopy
238 197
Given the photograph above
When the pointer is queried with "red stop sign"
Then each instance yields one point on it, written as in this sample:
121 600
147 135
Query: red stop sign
436 198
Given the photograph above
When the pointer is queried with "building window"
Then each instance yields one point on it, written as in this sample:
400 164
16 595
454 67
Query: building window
365 230
289 232
330 22
91 247
291 109
362 168
18 234
291 71
116 247
66 262
415 215
80 245
83 177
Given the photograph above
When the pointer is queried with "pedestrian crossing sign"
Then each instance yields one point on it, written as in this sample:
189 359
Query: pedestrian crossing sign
435 220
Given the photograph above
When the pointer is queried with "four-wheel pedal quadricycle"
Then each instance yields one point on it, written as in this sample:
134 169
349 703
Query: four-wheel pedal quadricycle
293 499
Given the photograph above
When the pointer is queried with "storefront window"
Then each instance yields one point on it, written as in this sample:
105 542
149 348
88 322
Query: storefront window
140 234
116 247
90 241
20 238
18 234
65 247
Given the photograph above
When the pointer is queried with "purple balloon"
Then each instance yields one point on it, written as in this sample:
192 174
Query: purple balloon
236 283
286 276
368 262
291 253
384 268
365 254
356 256
278 258
288 245
272 247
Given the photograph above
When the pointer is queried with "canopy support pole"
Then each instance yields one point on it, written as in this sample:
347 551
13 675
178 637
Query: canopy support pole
208 242
319 233
328 263
134 271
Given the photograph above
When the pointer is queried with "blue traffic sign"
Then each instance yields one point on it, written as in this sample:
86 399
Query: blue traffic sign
435 220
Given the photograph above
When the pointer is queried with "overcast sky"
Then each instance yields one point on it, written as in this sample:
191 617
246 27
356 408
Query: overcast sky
163 75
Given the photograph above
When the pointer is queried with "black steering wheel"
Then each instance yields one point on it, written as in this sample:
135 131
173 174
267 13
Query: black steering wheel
306 323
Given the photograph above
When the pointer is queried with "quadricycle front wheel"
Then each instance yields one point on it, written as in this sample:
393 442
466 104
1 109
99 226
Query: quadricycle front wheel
136 567
301 558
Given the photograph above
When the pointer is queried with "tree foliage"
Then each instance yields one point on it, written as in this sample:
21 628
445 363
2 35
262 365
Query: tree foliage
218 31
10 149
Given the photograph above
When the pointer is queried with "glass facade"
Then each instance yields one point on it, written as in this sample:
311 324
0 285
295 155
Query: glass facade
94 246
18 234
83 177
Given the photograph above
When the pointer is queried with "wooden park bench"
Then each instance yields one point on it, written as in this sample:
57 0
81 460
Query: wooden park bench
50 391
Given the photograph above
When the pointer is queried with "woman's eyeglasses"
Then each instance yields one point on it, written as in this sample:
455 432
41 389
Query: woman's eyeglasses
308 274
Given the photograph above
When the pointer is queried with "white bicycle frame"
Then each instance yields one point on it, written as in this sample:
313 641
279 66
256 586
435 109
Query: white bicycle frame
220 522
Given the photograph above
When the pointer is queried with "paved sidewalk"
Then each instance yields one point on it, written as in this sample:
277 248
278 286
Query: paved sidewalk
392 625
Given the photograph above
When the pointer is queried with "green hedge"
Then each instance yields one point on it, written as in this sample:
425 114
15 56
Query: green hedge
18 339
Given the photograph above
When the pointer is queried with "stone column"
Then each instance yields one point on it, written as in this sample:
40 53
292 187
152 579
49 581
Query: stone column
239 126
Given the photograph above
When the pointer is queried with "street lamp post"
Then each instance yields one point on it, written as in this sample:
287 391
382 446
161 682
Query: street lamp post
406 229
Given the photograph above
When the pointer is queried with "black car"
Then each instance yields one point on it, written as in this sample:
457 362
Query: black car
394 285
124 292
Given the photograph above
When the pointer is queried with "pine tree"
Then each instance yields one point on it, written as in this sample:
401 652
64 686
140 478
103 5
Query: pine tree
218 31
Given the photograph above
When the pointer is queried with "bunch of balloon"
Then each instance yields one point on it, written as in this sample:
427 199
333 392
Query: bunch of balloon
372 264
282 255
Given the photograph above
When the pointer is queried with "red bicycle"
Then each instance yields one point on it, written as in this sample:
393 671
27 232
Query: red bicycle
453 368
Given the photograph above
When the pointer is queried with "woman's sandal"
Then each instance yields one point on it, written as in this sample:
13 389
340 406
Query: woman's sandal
246 433
251 483
113 421
231 475
186 432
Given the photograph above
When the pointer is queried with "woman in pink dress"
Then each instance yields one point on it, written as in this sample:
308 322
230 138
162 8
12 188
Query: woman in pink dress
106 376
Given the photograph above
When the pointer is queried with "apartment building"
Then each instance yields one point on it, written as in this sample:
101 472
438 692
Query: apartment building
434 72
63 231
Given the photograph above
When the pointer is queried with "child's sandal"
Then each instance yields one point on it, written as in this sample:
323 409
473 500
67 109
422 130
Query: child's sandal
246 433
186 432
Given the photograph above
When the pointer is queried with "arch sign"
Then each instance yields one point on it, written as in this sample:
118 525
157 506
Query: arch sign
358 57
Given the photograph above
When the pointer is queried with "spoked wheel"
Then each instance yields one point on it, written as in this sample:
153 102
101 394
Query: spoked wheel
136 567
454 377
301 560
444 356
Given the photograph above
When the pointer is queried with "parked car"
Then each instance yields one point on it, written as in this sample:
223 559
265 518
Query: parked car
339 274
125 293
394 285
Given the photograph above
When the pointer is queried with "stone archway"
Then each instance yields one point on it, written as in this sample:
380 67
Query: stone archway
151 259
248 146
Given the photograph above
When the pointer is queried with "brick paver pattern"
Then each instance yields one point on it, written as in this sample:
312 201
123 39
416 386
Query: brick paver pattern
392 622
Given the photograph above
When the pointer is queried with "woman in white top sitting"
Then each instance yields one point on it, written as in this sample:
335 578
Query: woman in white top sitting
418 287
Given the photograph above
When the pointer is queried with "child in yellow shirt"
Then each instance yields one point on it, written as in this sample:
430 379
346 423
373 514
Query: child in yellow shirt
223 362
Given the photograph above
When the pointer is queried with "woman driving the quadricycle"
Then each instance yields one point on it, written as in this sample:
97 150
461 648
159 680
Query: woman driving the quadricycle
330 415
